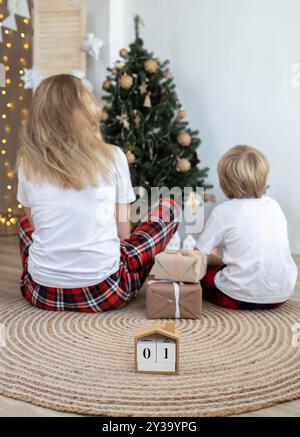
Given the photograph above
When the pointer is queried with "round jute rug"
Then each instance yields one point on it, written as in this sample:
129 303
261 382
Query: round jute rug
231 361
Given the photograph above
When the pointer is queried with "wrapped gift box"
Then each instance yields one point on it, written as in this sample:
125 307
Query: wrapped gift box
180 266
173 300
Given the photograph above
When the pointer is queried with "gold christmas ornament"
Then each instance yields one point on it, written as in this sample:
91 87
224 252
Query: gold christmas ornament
147 102
184 139
143 88
123 120
193 202
105 103
120 65
183 165
151 65
104 116
126 81
130 157
123 53
106 85
181 114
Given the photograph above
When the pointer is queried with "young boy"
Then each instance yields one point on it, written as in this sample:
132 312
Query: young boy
257 269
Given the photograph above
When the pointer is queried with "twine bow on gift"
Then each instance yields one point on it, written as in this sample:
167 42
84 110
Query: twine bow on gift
177 295
176 266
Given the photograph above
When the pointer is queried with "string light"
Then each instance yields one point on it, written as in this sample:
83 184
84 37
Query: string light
10 217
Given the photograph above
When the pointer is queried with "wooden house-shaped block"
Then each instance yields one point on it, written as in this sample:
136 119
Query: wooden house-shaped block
156 349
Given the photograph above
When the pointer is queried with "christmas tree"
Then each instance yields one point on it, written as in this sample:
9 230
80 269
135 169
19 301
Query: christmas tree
142 114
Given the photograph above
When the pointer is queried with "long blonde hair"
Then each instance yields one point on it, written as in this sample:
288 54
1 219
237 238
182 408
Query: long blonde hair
61 141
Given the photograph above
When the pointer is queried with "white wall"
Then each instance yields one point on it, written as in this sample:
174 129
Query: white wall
98 22
232 63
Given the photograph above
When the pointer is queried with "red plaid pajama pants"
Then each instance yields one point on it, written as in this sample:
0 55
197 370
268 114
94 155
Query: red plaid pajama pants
137 257
214 295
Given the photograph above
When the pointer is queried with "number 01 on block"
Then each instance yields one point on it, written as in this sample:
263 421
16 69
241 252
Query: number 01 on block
157 349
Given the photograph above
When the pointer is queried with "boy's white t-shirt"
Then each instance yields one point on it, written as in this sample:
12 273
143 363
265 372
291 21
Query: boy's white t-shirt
253 238
75 242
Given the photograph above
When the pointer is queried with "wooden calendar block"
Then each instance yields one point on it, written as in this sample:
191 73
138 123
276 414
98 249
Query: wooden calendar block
146 353
166 354
157 349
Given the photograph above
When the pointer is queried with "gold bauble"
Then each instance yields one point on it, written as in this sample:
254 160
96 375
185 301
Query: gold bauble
104 116
181 114
123 53
183 165
147 102
106 85
184 139
119 65
130 157
126 81
151 65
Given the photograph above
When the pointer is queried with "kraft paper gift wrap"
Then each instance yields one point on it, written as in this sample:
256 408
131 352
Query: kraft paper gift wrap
173 300
180 266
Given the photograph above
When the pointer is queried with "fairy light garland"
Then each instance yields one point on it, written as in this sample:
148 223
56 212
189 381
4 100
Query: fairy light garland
15 57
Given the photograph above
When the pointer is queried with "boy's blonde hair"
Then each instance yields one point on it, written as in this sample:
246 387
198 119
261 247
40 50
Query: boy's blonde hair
243 173
61 141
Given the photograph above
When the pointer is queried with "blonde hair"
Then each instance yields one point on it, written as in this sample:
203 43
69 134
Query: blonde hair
243 173
61 141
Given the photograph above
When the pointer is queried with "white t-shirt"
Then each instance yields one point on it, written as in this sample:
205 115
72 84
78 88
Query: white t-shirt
252 235
75 242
